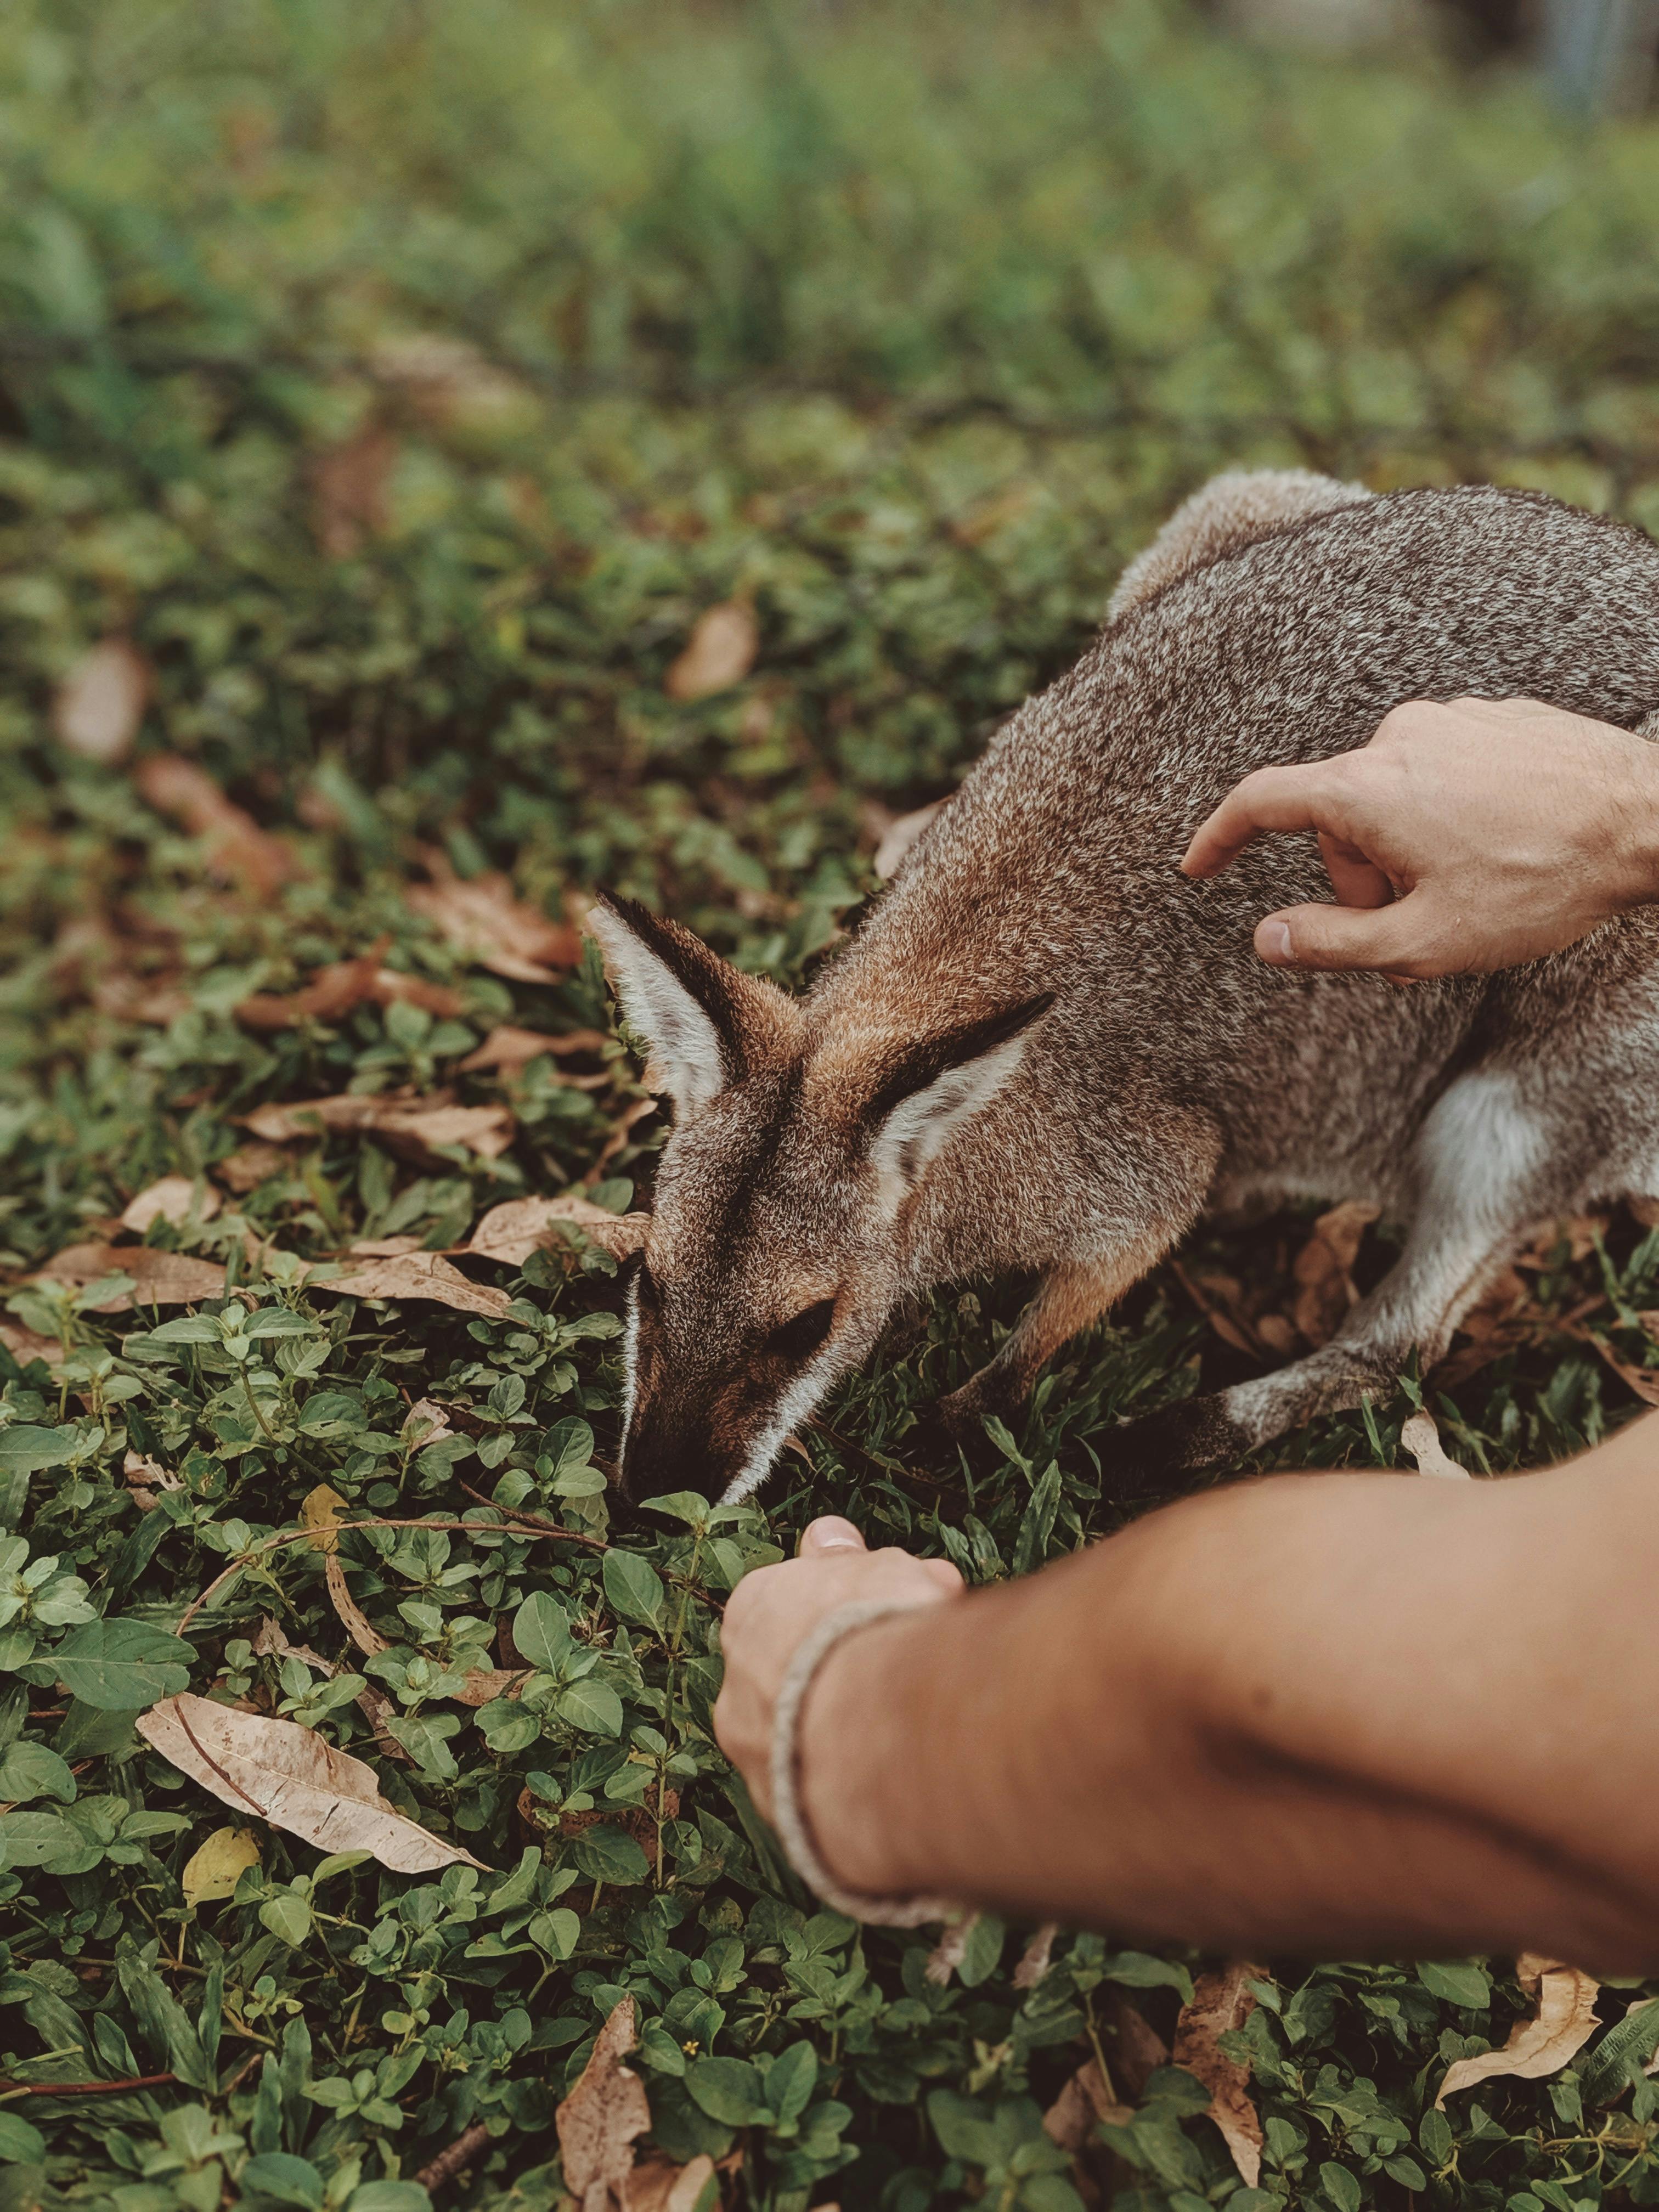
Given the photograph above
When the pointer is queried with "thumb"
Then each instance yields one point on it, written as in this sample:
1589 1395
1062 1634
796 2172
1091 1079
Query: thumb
1341 937
830 1533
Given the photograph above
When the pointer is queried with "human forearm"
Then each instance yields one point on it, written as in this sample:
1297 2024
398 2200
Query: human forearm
1315 1712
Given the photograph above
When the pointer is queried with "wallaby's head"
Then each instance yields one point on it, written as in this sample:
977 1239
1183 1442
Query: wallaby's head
777 1244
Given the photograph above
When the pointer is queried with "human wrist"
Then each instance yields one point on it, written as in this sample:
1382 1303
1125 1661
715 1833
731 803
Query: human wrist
856 1756
1635 840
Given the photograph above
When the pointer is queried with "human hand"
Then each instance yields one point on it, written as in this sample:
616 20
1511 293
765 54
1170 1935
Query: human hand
1464 837
773 1608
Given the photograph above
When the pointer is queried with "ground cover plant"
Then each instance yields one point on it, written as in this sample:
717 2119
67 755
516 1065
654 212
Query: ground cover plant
449 458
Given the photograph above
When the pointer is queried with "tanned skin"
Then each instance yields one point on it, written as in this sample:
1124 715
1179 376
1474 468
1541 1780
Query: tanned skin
1330 1713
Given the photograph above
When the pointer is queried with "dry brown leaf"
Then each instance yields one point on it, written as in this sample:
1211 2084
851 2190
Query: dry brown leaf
161 1278
237 848
484 1684
659 2186
485 921
1644 1381
424 1422
25 1344
145 1479
412 1126
1579 1232
1564 2023
1033 1960
420 1275
510 1232
1422 1440
375 1706
1325 1285
509 1047
250 1166
598 2120
640 1110
213 1870
899 836
289 1775
174 1198
348 484
1223 2001
1071 2120
449 383
383 1248
353 1620
101 703
1138 2050
334 991
719 653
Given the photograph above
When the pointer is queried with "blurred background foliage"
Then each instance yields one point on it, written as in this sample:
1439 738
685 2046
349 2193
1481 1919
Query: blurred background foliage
388 394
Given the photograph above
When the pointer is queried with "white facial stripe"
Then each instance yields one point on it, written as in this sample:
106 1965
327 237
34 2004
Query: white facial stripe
803 1395
630 1362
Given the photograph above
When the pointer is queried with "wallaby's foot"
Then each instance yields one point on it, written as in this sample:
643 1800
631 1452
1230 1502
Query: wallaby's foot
1184 1439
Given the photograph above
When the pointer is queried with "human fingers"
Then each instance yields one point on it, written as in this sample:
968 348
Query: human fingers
1355 877
830 1533
1281 799
1394 939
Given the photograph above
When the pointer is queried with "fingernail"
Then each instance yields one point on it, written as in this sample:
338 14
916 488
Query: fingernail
1274 941
832 1533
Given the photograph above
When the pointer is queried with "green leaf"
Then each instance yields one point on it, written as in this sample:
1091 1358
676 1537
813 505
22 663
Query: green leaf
982 1951
29 1769
47 1839
607 1853
389 2197
1139 1969
633 1587
688 1506
1614 2061
188 1328
20 2144
284 2179
119 1665
25 1449
1458 1982
594 1707
790 2081
729 2090
541 1631
287 1916
1340 2186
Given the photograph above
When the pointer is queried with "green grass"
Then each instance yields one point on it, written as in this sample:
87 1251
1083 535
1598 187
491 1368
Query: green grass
907 326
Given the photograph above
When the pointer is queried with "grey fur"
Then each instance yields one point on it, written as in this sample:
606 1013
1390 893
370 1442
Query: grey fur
1275 619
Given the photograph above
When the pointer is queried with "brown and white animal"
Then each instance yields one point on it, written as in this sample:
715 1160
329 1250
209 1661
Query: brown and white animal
1046 1048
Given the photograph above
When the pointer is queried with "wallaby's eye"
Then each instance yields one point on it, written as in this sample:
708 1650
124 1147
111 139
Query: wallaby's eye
798 1338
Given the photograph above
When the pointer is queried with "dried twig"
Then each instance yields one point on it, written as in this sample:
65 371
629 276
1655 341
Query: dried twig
449 2162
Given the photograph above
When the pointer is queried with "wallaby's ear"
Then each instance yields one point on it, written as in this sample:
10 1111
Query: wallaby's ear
939 1083
706 1023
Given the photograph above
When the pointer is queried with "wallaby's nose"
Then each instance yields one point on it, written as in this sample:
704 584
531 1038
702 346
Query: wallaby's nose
661 1455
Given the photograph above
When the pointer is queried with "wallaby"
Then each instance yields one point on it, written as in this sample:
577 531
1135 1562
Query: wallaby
1046 1048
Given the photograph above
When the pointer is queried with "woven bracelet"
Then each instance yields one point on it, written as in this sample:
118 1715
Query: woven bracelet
788 1815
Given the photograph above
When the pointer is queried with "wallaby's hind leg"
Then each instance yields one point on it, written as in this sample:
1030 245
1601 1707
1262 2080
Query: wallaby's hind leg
1067 1299
1490 1163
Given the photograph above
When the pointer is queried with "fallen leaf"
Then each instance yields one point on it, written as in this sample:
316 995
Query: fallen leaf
355 1621
334 991
1644 1212
420 1275
160 1279
237 847
212 1873
424 1422
1220 2002
899 836
506 1047
719 653
639 1821
510 1232
598 2120
374 1705
174 1198
1564 2023
412 1126
99 705
250 1166
659 2186
487 923
145 1479
449 383
1138 2050
25 1344
320 1509
1580 1232
1085 2101
383 1248
1322 1269
641 1110
349 483
1644 1381
1033 1960
1422 1440
484 1684
290 1776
